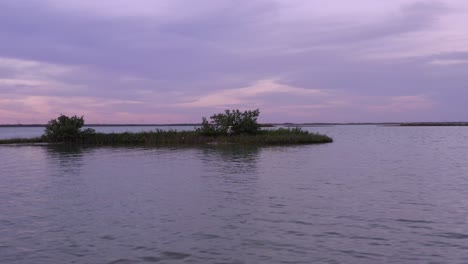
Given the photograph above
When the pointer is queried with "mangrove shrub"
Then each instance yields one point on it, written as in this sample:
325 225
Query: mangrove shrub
239 122
65 129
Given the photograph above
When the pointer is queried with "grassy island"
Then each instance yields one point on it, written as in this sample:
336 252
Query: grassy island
231 127
279 136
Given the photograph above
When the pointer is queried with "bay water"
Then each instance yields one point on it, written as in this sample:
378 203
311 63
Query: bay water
377 194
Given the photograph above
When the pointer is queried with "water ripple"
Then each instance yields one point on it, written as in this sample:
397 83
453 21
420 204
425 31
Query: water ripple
376 195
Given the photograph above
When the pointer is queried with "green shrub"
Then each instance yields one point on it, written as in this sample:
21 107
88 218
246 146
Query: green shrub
65 129
240 123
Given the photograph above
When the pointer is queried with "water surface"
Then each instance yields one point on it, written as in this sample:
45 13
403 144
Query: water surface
375 195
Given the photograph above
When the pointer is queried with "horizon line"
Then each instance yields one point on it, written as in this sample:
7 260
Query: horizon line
261 124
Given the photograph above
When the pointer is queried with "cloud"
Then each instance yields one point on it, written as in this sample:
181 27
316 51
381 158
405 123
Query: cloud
448 62
249 96
449 59
297 104
402 104
181 59
33 78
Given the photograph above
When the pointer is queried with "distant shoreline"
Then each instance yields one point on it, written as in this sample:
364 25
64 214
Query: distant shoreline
435 124
266 125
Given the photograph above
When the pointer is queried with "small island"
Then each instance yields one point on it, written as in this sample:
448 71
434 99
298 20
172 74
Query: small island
230 127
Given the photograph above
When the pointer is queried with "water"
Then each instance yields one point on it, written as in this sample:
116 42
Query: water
30 132
375 195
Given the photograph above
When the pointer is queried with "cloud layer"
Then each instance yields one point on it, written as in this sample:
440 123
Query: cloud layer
172 61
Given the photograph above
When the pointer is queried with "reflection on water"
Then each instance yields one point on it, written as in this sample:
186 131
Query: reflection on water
375 195
66 158
230 159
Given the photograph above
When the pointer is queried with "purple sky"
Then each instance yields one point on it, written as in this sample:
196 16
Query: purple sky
171 61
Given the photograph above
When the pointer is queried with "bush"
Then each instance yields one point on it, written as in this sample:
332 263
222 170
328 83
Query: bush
240 123
65 129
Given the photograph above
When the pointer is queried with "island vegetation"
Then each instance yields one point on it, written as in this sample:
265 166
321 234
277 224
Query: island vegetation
230 127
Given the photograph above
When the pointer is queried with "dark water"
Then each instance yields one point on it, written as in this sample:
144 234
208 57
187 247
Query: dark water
375 195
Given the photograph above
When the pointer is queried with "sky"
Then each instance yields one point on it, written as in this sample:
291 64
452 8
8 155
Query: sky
174 61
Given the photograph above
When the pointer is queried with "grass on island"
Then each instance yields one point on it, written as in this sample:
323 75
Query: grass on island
279 136
23 140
